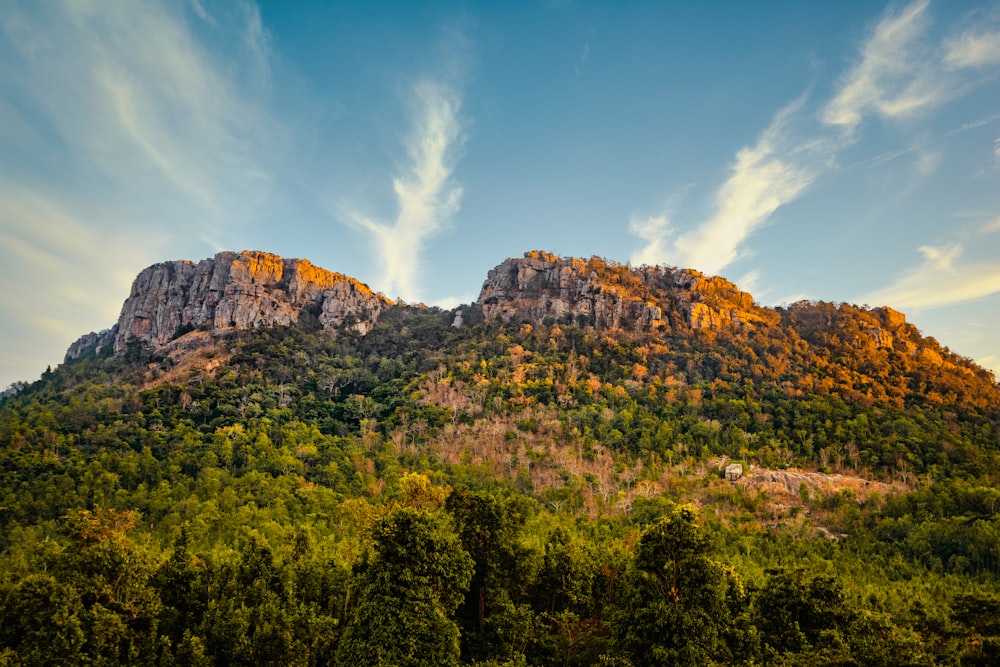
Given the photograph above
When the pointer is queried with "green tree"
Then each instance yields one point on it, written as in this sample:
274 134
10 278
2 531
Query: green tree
255 614
493 624
41 617
796 612
675 608
183 590
93 604
412 582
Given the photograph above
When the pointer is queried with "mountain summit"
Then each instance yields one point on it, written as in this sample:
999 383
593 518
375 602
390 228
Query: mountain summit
607 295
233 291
250 289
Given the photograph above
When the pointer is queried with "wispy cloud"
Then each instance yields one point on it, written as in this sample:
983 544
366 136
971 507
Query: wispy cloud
584 55
449 302
941 280
927 162
748 282
656 231
127 129
889 79
902 70
972 125
899 71
990 362
49 244
130 94
199 10
763 177
426 194
973 49
60 280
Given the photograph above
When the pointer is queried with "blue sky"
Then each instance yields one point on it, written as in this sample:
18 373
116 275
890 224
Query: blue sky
841 151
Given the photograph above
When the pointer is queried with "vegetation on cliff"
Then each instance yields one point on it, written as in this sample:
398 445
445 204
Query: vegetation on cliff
521 491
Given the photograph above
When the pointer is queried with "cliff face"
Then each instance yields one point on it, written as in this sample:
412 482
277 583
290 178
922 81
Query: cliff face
848 348
252 289
607 295
97 341
234 291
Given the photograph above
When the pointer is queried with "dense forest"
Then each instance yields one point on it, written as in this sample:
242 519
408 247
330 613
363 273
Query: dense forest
504 493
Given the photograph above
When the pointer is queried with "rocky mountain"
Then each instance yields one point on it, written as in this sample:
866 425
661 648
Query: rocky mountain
252 289
233 291
593 416
606 295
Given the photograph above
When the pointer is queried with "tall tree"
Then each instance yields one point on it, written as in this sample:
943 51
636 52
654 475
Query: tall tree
675 606
489 527
412 582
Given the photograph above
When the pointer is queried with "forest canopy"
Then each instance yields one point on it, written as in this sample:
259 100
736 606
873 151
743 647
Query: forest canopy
502 494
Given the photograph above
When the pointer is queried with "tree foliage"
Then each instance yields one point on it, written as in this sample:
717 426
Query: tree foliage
505 493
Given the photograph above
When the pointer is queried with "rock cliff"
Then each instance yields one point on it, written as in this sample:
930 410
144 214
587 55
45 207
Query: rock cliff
607 295
252 289
234 291
98 341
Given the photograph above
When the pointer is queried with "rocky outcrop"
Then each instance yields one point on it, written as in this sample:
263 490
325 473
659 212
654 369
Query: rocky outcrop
607 295
790 483
253 289
234 291
865 331
97 342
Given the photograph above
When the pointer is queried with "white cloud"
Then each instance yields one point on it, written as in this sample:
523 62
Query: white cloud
900 71
578 69
127 127
449 302
971 125
748 282
973 50
127 93
786 301
426 195
656 232
927 162
940 281
990 362
199 9
57 283
890 79
763 178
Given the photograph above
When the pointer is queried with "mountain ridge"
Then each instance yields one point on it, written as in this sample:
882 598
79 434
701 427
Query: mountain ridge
253 288
592 404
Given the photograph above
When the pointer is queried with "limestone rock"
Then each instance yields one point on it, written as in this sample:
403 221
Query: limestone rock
239 291
96 341
607 295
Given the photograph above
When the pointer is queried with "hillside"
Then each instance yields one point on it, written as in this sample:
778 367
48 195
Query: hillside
268 454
